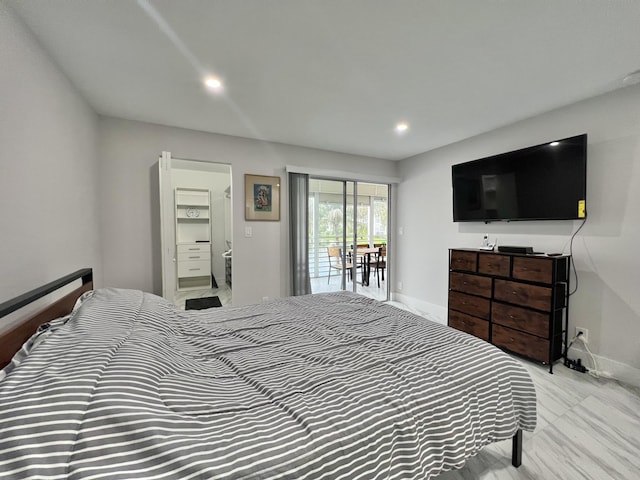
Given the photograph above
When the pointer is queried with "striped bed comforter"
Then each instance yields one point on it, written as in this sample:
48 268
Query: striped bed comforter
327 386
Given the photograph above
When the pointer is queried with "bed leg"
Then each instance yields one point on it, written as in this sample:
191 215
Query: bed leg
516 449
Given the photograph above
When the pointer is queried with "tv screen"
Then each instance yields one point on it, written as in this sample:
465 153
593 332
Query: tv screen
543 182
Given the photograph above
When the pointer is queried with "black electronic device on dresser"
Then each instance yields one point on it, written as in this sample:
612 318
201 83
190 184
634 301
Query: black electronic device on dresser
517 302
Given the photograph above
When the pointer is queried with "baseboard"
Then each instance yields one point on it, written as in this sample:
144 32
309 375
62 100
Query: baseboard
431 311
607 367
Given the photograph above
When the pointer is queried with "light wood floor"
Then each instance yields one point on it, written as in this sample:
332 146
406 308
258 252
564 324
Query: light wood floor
588 428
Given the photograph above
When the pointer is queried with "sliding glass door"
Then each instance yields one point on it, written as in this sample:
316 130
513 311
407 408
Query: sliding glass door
348 236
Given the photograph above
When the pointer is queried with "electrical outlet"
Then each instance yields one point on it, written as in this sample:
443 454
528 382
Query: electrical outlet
400 285
585 334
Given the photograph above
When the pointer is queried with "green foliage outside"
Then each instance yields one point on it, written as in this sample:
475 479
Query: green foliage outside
331 224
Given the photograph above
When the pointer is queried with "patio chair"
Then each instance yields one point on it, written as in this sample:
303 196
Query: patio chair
379 262
335 261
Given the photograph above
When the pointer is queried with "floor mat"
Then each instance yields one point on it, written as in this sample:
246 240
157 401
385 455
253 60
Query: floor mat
202 303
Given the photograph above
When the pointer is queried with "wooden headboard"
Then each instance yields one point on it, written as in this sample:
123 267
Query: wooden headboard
12 340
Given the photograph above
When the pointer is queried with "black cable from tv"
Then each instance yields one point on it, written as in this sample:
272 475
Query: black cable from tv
573 264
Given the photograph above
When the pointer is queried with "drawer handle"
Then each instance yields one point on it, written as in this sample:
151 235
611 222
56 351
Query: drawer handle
512 340
464 283
194 269
511 316
194 249
194 256
464 303
514 292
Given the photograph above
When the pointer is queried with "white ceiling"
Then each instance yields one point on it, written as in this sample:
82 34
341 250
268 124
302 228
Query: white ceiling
339 74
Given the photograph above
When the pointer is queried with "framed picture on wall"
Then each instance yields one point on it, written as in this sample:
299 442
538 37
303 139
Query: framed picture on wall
262 197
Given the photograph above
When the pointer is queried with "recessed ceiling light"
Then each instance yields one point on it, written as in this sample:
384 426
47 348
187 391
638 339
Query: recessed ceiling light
554 144
402 127
213 82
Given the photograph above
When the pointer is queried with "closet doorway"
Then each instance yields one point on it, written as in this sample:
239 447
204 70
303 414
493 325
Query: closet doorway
196 232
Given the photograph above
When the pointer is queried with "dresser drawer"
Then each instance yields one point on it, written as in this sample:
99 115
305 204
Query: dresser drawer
196 268
520 342
474 284
194 248
469 324
492 264
191 256
461 260
522 319
534 269
523 294
476 306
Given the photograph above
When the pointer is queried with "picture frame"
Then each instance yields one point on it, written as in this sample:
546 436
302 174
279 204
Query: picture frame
262 198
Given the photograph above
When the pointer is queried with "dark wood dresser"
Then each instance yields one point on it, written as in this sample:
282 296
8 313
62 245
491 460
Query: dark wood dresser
517 302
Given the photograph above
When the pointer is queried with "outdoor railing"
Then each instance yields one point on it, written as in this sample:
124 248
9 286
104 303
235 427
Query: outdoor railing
318 256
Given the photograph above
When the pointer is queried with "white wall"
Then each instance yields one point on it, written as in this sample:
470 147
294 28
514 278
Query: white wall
129 151
48 166
605 250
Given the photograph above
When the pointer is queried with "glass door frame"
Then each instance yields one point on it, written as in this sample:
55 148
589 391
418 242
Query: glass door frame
354 239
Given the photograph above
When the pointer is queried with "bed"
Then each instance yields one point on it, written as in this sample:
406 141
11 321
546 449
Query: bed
325 386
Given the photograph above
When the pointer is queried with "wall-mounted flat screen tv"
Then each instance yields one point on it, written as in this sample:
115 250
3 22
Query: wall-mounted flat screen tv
543 182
